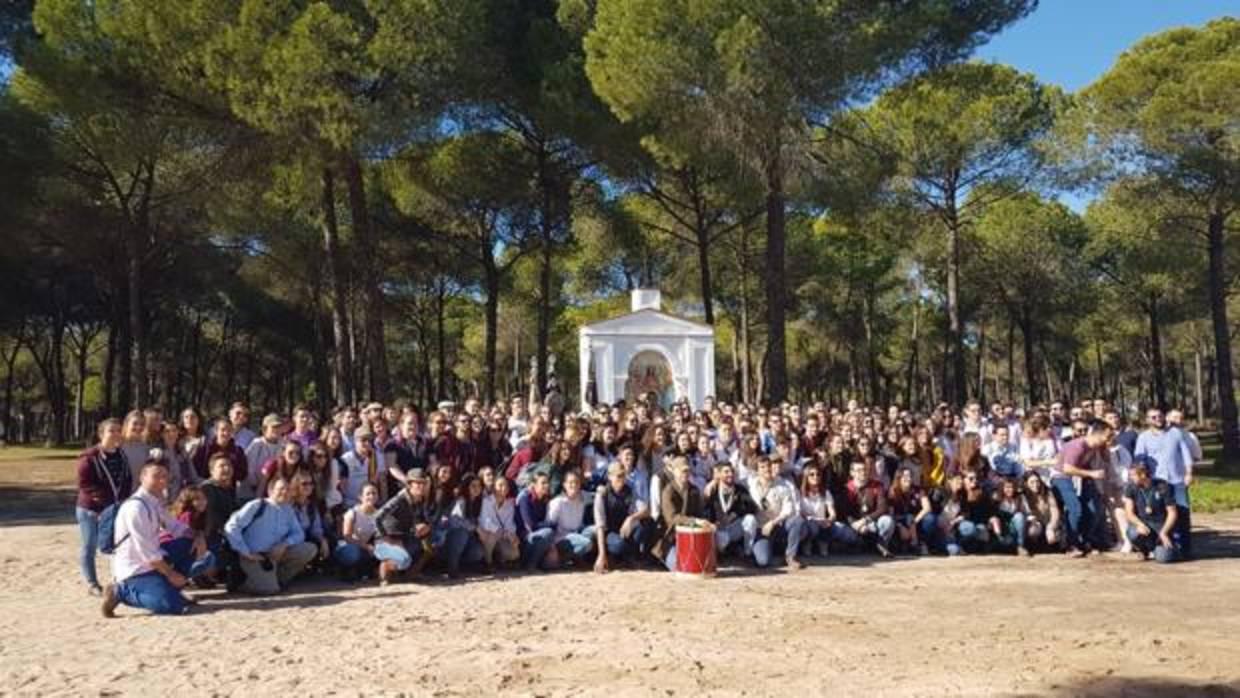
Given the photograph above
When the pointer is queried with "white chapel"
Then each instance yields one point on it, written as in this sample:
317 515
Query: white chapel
647 351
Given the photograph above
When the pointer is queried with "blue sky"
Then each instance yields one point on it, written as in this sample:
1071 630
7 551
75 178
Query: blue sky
1072 42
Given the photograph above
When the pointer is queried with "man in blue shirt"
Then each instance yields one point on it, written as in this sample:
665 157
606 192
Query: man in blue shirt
1169 456
269 541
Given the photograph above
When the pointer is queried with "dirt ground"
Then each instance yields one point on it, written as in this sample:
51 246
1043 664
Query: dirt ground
980 626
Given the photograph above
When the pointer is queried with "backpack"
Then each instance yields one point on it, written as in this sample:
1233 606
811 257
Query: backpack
107 518
107 526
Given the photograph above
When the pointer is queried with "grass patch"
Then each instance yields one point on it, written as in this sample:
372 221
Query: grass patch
1211 494
35 453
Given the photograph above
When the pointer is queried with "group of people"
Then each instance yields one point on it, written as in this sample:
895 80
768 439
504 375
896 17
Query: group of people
389 493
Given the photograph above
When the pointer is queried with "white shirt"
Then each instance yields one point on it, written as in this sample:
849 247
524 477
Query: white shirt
359 472
256 455
363 524
816 507
138 524
1121 462
498 518
568 515
776 500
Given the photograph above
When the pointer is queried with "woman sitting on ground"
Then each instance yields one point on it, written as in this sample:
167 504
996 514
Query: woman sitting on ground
497 525
355 554
189 551
310 515
1043 525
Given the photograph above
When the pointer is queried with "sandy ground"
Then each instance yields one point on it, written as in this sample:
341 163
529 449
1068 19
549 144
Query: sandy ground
850 626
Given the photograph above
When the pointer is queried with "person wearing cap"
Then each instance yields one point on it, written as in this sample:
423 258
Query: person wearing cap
405 524
361 467
1151 514
258 453
370 413
1168 453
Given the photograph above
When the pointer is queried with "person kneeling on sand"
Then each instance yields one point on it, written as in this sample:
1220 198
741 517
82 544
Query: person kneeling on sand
405 524
270 543
1149 507
144 579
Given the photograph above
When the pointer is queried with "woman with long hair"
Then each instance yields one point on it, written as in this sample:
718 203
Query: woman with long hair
355 553
916 524
1043 524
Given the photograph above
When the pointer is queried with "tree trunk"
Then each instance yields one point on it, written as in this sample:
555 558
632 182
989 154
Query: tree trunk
1200 400
109 367
703 250
440 312
746 345
776 293
1031 370
491 311
954 388
1156 354
981 361
342 364
379 378
910 390
1011 361
137 336
1222 337
10 364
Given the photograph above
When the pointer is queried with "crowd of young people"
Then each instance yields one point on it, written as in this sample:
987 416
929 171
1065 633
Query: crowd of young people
388 493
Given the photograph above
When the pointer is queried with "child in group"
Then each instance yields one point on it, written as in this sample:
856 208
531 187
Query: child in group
355 553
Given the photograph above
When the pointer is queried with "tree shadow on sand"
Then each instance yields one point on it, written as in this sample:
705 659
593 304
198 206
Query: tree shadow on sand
1137 687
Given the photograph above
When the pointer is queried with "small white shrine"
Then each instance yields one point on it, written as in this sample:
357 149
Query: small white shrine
647 351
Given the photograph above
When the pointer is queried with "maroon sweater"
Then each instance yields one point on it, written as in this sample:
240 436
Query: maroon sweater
94 490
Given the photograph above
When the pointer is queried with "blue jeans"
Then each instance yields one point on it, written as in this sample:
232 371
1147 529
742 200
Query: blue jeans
743 530
576 546
535 546
352 556
970 537
461 545
402 556
786 537
930 533
88 527
179 552
639 537
816 532
1182 536
152 591
1152 544
1081 512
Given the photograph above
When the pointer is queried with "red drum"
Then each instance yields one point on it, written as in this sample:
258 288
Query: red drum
695 551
